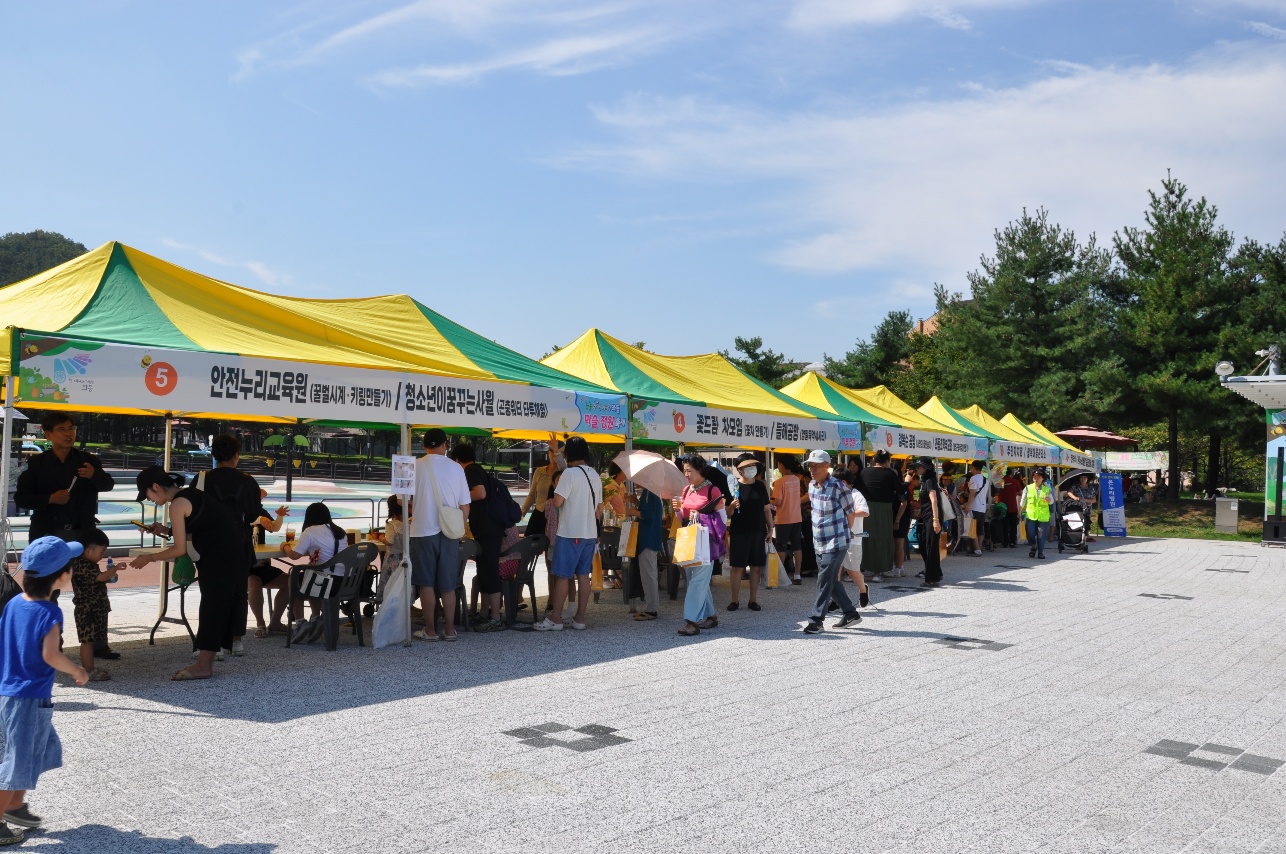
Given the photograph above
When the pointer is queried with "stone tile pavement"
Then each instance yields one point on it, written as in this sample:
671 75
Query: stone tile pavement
1052 706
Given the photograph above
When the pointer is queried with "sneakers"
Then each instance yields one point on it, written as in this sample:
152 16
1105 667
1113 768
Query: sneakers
548 625
864 599
238 648
23 817
218 656
977 552
9 836
849 620
813 628
497 626
1031 553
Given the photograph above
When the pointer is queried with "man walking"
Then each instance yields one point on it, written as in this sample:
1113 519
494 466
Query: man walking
435 557
833 511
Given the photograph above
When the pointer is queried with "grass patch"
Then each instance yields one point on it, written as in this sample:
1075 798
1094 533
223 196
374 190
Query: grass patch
1193 519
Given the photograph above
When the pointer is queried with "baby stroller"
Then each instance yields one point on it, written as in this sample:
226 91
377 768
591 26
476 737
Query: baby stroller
1073 527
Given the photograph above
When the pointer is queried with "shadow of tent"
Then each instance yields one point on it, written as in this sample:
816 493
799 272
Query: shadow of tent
100 837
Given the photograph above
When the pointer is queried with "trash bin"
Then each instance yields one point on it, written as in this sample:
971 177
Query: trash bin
1226 515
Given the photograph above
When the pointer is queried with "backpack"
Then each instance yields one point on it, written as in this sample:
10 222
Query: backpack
8 588
235 506
501 507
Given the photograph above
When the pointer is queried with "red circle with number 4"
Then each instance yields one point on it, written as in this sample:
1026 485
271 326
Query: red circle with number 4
161 378
679 422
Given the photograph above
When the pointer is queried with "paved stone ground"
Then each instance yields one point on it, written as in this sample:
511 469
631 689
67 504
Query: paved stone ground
1080 704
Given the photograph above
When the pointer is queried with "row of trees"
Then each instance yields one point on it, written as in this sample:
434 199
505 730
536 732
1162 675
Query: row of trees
1067 331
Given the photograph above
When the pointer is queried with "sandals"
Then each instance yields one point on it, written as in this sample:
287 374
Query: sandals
421 634
689 630
98 674
186 675
708 623
645 615
261 632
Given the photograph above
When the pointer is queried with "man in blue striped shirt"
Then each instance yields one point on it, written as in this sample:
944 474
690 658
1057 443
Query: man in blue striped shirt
833 511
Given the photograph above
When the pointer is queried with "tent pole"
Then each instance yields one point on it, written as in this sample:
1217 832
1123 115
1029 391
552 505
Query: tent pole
406 539
5 464
169 438
627 563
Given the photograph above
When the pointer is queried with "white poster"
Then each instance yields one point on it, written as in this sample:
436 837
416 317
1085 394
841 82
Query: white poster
1136 460
403 474
1023 454
698 425
91 374
922 443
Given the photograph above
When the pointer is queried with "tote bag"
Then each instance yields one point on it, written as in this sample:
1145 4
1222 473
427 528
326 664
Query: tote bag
392 620
450 519
692 545
629 538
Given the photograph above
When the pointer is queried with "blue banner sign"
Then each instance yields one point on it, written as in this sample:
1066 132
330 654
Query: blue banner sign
1112 493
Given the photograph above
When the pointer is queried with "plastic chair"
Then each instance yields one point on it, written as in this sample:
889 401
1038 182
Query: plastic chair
529 551
469 550
355 561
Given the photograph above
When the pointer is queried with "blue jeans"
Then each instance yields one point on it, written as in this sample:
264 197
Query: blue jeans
829 585
698 602
31 745
1036 532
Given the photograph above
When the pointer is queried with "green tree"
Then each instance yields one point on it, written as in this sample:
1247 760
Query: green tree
1182 311
24 255
764 365
877 360
1036 337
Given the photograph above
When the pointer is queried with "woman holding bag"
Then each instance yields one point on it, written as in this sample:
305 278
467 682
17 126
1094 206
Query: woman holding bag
700 504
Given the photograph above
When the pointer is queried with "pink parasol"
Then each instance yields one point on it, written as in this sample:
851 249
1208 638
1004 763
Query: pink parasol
1089 437
653 472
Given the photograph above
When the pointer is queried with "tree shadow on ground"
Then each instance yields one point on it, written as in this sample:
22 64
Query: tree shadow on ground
98 837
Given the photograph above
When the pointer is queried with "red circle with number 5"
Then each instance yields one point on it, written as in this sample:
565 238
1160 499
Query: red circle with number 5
161 378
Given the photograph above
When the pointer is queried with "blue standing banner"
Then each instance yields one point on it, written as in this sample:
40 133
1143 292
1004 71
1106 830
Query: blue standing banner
1112 491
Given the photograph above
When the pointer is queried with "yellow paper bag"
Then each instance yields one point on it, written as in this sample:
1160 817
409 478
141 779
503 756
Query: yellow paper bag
629 538
774 565
596 574
685 545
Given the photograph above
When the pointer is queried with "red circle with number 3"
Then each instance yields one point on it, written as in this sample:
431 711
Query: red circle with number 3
161 378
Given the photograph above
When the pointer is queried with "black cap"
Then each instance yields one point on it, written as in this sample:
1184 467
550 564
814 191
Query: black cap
435 437
926 462
155 476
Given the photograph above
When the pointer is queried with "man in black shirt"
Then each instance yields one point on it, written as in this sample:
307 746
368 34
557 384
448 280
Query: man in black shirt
60 487
488 534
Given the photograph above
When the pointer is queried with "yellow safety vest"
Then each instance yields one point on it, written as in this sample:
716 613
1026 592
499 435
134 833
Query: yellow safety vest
1037 507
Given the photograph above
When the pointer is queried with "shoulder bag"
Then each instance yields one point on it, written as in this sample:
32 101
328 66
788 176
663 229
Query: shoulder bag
450 519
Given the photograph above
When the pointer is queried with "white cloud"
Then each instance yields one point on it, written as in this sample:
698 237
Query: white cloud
559 57
921 188
1267 30
821 14
265 274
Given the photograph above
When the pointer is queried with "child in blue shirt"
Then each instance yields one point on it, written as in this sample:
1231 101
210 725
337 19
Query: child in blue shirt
30 636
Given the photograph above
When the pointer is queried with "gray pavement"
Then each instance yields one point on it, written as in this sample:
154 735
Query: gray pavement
1069 705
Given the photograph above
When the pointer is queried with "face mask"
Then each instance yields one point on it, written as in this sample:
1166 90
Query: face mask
751 471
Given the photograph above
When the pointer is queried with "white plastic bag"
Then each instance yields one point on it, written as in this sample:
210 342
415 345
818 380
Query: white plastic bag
393 620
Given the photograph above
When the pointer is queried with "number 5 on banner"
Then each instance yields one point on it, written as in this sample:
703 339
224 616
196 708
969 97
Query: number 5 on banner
161 378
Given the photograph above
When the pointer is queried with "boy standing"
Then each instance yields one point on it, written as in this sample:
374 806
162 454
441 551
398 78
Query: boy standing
89 592
30 631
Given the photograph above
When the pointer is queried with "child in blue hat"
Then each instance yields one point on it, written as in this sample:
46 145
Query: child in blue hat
30 637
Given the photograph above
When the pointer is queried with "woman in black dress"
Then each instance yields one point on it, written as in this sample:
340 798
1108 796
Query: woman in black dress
748 527
225 557
930 523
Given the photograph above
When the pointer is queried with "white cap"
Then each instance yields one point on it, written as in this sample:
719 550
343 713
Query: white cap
818 456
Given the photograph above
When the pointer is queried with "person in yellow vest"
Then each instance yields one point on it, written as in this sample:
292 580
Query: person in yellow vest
1035 505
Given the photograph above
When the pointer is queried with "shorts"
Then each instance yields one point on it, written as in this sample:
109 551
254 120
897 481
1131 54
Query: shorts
747 550
31 746
266 572
435 562
853 557
790 537
573 557
488 561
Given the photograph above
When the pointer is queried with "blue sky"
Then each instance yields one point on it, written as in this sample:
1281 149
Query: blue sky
672 172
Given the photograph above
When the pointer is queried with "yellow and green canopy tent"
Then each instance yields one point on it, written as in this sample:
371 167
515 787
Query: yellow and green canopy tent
875 405
981 417
688 384
940 412
117 295
1041 430
1013 422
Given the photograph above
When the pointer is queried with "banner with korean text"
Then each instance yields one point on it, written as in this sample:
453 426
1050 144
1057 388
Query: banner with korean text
1078 460
699 425
1029 455
922 443
1112 493
62 372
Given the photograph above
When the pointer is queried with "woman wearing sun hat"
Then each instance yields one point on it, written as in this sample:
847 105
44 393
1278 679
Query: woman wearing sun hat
748 528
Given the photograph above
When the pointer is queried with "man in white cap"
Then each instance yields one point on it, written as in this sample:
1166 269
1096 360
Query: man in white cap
833 511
